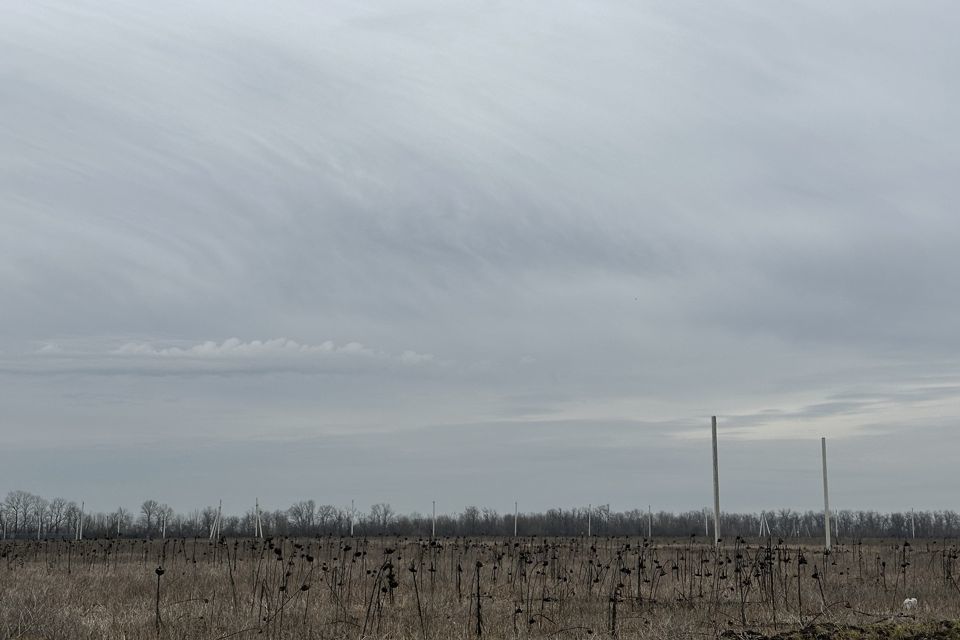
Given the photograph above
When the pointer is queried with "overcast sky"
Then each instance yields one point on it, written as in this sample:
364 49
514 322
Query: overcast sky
479 251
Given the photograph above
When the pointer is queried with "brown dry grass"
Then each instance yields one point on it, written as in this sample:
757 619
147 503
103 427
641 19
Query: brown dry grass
528 588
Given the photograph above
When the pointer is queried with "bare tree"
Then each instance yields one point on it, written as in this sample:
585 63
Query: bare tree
37 514
382 514
326 516
17 505
164 517
149 511
122 519
71 517
58 514
207 517
303 515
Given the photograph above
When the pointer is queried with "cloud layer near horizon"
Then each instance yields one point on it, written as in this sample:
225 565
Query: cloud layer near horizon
621 217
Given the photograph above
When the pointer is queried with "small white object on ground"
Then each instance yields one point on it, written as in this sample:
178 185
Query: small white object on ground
909 604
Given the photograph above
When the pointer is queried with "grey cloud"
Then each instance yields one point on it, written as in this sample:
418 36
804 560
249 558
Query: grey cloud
604 213
229 356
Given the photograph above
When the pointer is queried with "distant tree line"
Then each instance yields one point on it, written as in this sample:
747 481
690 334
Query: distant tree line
25 515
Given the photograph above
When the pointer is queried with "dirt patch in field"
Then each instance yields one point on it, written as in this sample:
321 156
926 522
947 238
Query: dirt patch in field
947 630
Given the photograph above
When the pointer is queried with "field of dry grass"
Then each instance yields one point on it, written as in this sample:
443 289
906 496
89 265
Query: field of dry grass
410 589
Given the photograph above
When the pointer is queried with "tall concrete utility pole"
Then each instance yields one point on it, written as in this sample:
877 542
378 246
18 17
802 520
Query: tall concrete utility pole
716 485
826 494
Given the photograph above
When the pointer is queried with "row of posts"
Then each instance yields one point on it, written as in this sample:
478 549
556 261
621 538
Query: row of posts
258 526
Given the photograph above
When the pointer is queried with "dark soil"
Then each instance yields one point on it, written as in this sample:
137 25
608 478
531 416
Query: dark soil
947 630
